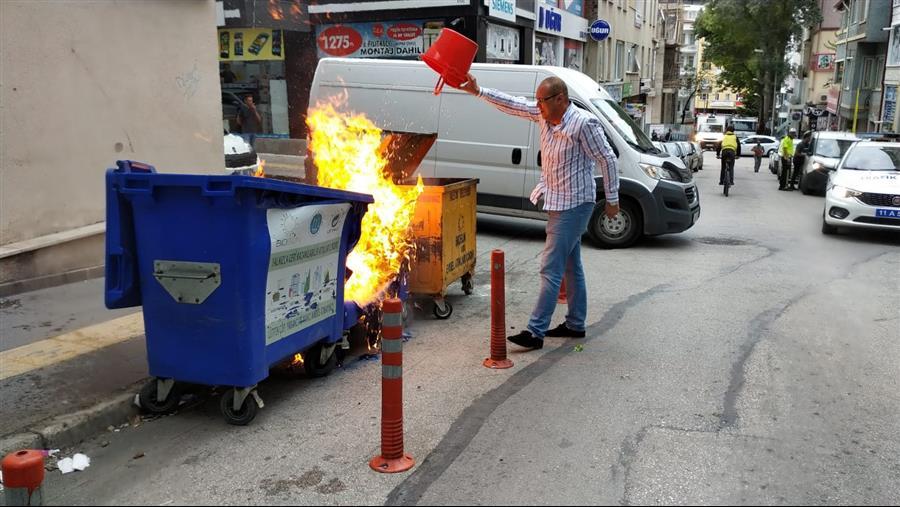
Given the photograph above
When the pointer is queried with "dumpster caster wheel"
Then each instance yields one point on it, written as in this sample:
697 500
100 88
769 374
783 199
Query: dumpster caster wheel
150 402
240 417
442 309
320 360
468 286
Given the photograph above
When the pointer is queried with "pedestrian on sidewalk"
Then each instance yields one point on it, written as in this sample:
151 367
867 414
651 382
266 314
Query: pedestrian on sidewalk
757 156
572 142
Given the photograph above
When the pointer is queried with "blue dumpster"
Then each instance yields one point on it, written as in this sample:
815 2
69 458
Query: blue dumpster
234 273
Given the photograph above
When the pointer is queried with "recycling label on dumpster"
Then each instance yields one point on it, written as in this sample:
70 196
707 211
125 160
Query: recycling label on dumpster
301 286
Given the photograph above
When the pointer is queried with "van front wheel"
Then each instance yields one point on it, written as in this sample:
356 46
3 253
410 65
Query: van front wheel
620 232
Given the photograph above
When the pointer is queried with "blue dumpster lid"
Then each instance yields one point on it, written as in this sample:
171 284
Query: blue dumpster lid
144 176
135 178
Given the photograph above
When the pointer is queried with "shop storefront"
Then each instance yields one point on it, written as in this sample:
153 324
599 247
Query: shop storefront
560 33
251 62
260 48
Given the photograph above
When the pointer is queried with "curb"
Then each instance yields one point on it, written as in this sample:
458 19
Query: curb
70 429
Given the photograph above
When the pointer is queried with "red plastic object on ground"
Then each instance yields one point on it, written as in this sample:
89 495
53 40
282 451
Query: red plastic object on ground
23 474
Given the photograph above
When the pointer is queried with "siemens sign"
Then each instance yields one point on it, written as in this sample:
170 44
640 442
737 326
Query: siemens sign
562 23
503 9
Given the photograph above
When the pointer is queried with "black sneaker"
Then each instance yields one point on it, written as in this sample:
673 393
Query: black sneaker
527 340
563 331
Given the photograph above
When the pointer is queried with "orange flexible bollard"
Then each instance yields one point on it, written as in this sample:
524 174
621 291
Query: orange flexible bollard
392 458
561 299
23 473
498 359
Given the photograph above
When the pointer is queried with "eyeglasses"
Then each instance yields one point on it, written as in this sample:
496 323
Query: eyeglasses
545 99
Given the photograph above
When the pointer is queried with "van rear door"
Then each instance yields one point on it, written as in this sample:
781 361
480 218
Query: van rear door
475 140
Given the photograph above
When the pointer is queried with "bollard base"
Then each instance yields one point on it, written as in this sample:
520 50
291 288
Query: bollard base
392 466
497 364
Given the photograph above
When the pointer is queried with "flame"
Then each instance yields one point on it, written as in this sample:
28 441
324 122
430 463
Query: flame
275 10
298 360
260 169
348 156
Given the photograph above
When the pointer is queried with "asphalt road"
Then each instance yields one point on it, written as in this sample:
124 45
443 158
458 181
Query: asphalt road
750 360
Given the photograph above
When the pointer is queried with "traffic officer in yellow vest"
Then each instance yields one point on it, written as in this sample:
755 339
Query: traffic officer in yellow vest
786 152
731 150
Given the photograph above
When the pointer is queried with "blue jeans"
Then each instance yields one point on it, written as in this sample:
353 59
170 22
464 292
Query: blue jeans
562 256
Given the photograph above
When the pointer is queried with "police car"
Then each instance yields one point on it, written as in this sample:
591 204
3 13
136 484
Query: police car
864 190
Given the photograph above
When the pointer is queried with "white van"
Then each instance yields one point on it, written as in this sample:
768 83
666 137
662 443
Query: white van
710 131
475 140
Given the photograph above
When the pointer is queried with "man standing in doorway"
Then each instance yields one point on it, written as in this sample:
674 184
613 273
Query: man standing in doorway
572 142
249 120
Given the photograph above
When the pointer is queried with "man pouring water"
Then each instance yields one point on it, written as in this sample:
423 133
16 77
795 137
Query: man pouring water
572 143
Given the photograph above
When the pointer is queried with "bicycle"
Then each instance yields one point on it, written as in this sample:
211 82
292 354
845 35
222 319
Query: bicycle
726 175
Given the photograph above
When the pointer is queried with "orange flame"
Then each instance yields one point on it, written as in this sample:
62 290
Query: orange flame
298 360
260 171
275 10
347 150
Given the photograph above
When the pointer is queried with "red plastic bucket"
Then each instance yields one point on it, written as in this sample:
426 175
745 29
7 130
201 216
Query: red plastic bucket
451 56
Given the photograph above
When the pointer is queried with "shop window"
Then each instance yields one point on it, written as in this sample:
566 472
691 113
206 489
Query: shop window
634 66
868 75
894 51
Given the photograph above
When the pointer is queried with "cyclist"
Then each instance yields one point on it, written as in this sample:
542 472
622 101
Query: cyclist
731 149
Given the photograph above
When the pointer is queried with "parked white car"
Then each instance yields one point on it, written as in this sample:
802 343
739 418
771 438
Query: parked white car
240 157
768 143
864 190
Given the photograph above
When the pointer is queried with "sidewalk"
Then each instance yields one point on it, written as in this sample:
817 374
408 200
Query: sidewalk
68 366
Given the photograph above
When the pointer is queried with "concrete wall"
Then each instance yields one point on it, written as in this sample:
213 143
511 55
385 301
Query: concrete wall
86 83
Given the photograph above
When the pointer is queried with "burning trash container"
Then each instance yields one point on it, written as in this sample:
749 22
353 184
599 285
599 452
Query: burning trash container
444 230
443 225
235 274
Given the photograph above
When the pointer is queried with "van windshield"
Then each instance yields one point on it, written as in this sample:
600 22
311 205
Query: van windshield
711 127
624 125
744 125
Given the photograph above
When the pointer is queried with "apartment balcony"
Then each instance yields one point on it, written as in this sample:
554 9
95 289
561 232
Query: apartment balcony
689 49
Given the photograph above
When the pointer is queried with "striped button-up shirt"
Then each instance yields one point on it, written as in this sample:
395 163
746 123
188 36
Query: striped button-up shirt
568 154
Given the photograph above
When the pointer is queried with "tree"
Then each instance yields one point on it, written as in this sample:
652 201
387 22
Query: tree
748 41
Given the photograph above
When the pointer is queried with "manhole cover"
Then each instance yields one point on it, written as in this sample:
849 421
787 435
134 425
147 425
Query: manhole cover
721 241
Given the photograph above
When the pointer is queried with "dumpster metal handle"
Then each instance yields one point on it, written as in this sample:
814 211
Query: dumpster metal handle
188 282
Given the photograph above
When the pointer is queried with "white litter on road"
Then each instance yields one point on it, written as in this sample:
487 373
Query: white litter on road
77 462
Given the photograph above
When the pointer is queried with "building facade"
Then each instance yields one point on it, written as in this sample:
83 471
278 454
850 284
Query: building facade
860 60
890 122
817 70
629 63
86 84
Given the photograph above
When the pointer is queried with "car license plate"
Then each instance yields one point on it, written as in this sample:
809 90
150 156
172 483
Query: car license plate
887 213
